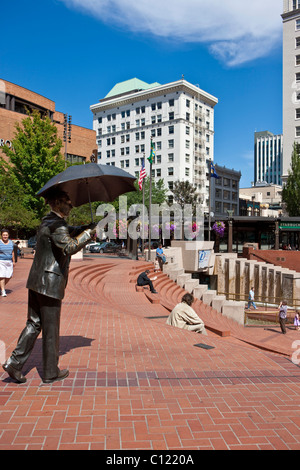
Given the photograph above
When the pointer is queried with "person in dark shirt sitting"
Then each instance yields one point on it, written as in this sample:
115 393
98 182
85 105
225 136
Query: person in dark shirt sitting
144 280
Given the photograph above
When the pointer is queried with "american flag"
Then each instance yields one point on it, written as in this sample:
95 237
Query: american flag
142 175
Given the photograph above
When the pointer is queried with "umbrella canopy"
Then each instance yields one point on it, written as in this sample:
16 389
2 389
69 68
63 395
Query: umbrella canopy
91 182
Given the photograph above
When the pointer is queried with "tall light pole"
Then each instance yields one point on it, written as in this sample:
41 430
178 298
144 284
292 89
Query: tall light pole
67 134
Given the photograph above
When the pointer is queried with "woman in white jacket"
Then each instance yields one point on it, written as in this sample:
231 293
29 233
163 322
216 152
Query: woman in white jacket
184 316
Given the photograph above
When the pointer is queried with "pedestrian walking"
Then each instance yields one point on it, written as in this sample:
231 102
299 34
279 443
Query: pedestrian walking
7 260
297 320
251 299
282 316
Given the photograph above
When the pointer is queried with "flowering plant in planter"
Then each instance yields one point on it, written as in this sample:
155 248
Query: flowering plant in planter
219 228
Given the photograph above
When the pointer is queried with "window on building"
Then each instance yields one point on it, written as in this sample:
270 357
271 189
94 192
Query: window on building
187 172
158 158
187 130
170 171
298 113
296 4
171 116
188 103
298 42
298 131
158 172
171 144
153 119
171 102
171 129
297 25
159 118
159 105
153 106
298 59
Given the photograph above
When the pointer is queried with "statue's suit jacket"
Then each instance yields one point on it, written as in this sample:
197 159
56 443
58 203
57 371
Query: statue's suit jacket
56 242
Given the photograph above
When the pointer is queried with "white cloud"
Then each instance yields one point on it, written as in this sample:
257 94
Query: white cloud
234 30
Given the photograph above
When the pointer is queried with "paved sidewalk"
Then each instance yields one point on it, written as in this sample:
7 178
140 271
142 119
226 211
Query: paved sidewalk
137 383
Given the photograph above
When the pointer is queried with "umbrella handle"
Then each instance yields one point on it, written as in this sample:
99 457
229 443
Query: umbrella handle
88 189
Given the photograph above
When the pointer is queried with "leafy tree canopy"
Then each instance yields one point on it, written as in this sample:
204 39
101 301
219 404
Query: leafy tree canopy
35 157
185 193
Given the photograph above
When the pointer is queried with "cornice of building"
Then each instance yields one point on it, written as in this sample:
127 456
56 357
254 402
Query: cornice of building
289 15
180 85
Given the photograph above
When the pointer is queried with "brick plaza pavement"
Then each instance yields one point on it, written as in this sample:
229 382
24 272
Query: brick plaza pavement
136 383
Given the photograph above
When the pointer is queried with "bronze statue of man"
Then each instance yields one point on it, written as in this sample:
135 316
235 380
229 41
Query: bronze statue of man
47 280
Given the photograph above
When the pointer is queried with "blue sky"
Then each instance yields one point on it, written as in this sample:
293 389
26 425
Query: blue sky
75 51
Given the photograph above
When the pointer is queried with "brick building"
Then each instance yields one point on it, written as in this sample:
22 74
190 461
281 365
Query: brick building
15 100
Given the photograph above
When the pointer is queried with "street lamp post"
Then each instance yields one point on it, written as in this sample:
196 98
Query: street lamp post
229 243
67 134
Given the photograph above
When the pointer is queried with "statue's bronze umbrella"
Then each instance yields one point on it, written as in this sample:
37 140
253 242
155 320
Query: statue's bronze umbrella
91 182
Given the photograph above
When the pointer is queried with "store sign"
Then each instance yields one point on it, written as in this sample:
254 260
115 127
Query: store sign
289 226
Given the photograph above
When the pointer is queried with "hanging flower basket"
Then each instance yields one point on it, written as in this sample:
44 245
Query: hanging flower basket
219 228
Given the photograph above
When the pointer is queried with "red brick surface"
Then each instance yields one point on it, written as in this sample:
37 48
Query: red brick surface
137 383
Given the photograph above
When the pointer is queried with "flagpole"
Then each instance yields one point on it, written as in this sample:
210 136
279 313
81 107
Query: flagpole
150 197
143 218
209 206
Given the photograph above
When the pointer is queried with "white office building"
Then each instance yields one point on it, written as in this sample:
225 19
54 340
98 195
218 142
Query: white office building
268 149
291 80
178 117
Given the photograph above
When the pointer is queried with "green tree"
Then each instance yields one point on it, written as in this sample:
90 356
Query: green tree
35 157
185 193
13 214
291 190
158 193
